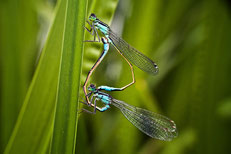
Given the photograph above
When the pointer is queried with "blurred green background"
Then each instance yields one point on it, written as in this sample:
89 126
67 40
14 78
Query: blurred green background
189 40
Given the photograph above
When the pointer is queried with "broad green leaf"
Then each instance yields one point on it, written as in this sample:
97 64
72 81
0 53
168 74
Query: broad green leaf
65 124
34 125
18 46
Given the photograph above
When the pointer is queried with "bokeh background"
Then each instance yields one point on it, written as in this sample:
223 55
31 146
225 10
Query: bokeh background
189 40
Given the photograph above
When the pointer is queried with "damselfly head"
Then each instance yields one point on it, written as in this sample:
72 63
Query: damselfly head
91 88
92 17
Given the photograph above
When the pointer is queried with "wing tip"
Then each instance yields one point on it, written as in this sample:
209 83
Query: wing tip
170 133
155 69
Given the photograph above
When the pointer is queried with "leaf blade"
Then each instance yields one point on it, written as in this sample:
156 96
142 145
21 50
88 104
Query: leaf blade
36 115
65 126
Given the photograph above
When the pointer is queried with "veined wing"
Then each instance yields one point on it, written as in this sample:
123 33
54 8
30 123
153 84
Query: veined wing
152 124
136 57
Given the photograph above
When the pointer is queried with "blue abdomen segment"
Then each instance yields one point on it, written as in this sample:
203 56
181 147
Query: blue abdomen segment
106 47
107 88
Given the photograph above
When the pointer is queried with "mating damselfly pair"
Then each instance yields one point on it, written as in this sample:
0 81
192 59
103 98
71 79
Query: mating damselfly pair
150 123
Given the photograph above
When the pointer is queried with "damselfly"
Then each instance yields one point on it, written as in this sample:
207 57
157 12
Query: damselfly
152 124
126 51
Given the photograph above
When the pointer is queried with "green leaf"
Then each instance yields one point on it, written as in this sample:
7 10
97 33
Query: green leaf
17 57
224 109
34 125
65 125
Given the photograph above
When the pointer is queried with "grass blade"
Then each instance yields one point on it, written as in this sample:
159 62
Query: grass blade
69 79
33 129
17 56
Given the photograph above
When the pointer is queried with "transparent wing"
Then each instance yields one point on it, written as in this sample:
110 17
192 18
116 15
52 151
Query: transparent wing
136 57
152 124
